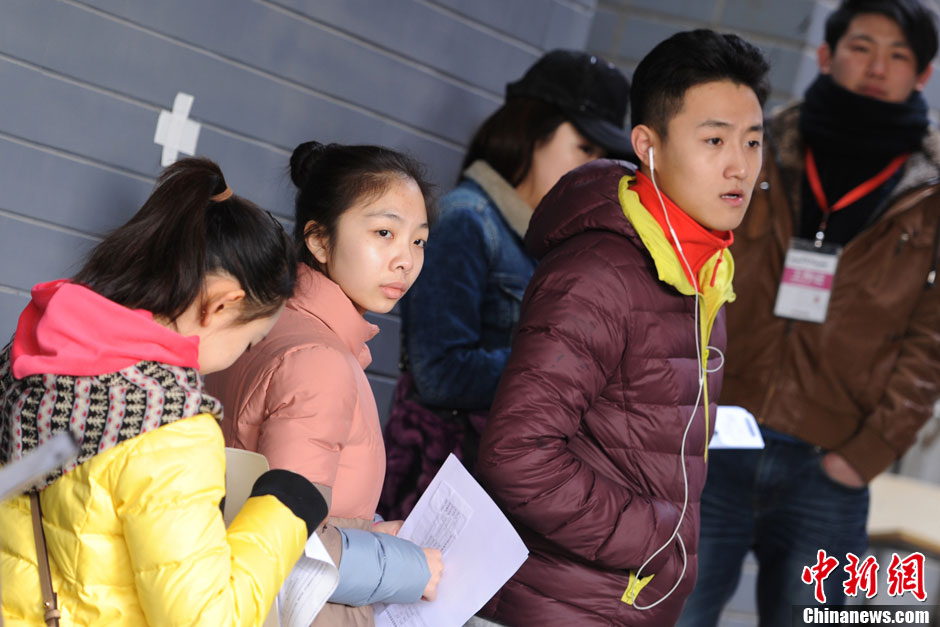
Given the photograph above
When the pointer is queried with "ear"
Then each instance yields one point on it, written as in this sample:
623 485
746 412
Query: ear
644 138
223 297
824 58
316 241
923 77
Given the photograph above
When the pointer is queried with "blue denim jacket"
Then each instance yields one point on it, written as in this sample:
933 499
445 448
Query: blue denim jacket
458 318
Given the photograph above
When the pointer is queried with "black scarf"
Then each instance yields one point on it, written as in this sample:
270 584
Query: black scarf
853 138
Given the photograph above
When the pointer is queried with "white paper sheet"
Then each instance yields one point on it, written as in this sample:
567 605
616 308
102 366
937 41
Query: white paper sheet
481 550
735 427
308 586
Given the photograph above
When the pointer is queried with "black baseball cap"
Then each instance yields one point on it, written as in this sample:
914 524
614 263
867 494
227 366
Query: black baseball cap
591 92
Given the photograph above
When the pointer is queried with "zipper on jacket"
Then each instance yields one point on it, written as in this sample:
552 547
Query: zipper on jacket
932 274
772 388
902 240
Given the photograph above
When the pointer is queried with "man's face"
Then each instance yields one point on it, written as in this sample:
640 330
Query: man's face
874 59
711 155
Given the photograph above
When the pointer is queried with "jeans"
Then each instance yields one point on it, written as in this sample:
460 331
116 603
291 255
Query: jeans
779 502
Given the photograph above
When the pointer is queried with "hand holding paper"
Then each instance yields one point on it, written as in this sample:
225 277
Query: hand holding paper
480 550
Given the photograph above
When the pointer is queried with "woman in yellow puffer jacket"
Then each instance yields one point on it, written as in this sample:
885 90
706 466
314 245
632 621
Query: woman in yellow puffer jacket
133 527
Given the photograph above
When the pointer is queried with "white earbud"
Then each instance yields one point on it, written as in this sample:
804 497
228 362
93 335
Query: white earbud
650 153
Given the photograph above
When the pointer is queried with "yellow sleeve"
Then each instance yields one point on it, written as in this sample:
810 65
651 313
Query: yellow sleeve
188 569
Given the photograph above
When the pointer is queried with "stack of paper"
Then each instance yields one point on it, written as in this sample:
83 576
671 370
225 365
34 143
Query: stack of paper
481 550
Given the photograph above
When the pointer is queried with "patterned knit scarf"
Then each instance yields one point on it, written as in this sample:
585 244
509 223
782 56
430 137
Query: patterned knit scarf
101 411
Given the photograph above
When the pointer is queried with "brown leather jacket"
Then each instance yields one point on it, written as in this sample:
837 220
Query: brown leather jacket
864 381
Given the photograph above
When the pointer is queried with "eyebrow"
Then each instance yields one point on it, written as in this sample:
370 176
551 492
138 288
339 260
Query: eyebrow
388 213
898 43
756 128
384 213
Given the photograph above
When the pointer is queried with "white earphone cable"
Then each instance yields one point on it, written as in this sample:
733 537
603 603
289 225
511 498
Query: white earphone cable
698 399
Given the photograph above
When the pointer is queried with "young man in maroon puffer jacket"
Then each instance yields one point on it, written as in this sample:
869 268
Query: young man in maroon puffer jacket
596 445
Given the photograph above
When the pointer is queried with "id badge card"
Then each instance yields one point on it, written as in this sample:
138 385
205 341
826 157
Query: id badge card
806 284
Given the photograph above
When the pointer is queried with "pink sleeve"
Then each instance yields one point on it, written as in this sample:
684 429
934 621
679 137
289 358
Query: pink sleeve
309 405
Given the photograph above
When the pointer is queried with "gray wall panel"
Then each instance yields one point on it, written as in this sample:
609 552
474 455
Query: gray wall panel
119 132
702 10
85 80
384 390
33 254
533 21
791 20
423 32
11 305
61 190
227 96
568 26
386 345
318 58
48 110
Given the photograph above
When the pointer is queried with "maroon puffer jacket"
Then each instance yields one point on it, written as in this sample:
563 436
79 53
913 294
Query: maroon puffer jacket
582 449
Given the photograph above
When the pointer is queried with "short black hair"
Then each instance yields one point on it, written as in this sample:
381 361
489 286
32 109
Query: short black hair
688 59
917 22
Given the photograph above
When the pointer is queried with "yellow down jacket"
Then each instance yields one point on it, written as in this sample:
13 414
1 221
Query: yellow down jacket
135 537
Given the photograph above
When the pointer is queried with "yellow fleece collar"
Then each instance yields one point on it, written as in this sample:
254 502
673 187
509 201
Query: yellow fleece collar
668 264
714 277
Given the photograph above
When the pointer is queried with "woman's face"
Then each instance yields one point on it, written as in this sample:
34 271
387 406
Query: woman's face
216 319
563 151
220 347
378 249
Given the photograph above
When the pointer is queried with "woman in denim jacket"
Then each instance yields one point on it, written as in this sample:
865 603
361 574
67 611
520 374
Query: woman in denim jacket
457 320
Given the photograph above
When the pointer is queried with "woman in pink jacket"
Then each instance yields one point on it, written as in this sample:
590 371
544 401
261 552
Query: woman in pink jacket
301 397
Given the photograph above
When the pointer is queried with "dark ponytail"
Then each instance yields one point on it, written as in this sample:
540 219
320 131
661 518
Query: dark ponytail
191 226
332 178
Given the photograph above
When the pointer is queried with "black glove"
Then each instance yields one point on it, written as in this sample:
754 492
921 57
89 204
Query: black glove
297 493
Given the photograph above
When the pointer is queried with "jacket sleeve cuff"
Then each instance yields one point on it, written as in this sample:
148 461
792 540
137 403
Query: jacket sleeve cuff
296 493
377 567
868 453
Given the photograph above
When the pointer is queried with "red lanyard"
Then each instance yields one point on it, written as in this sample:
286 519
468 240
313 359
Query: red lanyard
865 188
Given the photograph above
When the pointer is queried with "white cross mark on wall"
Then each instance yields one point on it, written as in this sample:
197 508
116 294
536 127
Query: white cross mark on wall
175 131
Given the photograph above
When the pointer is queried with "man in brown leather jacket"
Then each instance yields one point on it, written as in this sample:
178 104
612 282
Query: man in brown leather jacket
834 340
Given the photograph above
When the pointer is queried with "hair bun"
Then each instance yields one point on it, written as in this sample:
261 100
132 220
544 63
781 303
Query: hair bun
302 160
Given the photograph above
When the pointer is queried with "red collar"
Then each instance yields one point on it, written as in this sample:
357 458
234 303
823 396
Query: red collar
698 243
